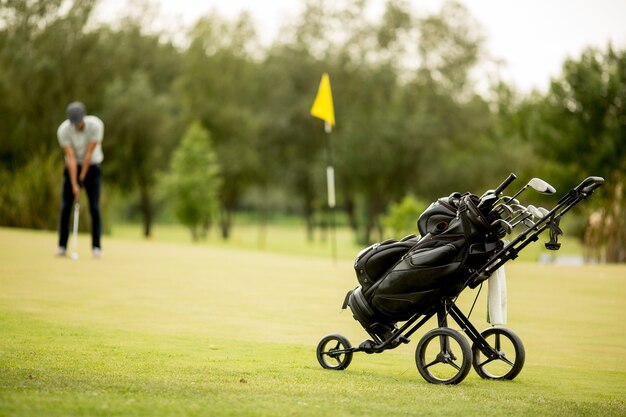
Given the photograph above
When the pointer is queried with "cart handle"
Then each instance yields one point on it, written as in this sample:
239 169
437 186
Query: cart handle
589 184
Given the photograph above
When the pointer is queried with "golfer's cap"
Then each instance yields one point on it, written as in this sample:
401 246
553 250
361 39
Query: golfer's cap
75 112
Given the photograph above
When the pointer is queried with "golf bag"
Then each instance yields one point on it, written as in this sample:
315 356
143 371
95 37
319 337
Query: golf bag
399 279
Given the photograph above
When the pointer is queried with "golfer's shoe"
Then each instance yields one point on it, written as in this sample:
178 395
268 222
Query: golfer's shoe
97 253
60 253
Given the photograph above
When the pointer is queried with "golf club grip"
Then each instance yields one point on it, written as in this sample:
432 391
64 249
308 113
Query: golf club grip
505 183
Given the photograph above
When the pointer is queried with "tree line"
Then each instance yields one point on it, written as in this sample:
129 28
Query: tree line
410 117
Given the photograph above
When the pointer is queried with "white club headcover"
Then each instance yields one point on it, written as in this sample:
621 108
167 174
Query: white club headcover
496 297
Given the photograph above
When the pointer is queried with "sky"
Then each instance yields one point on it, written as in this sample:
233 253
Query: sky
531 38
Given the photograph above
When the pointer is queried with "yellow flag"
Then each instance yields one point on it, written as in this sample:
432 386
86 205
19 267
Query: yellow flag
323 105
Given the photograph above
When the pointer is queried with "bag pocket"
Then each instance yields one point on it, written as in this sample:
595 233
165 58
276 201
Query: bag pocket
429 257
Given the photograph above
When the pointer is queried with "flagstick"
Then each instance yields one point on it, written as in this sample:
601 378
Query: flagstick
323 109
330 184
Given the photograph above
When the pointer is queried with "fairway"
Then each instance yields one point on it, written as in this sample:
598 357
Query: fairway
174 329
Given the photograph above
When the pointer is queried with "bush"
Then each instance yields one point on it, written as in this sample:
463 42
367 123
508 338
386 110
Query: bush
30 196
401 218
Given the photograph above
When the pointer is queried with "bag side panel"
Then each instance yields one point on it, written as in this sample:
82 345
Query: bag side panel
373 264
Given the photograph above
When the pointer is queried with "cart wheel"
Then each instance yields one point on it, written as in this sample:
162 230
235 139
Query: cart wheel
334 352
508 362
436 356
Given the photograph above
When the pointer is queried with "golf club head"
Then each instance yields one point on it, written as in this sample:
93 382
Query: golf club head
506 210
501 201
487 200
518 208
543 211
519 219
504 225
541 186
488 192
510 200
535 211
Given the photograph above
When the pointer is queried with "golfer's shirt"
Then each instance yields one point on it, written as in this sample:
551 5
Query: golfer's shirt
79 139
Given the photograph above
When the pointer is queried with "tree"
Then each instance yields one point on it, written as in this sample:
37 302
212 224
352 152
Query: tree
137 139
192 183
218 86
580 130
450 46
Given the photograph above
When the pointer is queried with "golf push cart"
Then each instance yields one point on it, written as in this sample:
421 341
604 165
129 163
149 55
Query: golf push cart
405 283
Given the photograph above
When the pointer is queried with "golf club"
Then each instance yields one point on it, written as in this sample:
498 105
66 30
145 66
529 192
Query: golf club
541 186
518 207
535 211
505 211
75 232
538 185
504 200
510 200
518 211
504 225
525 218
543 211
487 199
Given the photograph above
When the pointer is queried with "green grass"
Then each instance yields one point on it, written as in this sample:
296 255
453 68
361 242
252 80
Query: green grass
289 237
173 329
275 237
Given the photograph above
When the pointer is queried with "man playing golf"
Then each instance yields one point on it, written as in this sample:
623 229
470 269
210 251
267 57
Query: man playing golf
80 136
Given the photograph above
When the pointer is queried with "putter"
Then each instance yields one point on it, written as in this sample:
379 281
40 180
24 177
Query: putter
75 232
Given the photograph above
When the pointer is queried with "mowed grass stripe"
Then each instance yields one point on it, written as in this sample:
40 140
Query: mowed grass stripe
172 329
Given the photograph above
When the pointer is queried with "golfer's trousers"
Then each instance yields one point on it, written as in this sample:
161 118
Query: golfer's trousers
93 185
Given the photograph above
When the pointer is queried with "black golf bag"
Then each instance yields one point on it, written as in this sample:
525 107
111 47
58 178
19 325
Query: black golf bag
399 279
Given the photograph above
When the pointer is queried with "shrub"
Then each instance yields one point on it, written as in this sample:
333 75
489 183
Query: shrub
401 218
30 196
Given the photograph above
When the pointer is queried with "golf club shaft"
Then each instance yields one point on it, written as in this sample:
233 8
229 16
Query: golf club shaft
75 231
